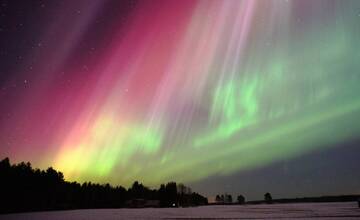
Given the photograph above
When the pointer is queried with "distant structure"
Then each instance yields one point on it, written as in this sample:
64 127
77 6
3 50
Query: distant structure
142 203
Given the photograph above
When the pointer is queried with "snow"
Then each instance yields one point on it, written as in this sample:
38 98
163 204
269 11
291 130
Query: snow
344 210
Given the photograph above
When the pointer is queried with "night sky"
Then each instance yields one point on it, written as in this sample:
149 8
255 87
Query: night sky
224 96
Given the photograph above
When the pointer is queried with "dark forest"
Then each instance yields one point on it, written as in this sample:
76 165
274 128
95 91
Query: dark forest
23 189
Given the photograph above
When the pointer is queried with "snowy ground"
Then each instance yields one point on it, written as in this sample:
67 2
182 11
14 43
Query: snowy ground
345 210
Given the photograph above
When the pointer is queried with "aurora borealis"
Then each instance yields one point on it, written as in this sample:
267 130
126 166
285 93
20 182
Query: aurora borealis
117 91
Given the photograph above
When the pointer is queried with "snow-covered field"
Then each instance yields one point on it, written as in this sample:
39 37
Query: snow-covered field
345 210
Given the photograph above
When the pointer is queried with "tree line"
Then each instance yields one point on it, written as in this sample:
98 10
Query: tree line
23 188
227 199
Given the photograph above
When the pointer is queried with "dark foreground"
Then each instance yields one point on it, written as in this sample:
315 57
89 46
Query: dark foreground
344 210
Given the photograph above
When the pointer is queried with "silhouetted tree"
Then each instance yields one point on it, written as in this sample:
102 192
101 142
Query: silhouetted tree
187 198
268 198
197 199
162 196
229 198
241 199
218 199
183 196
138 191
171 193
